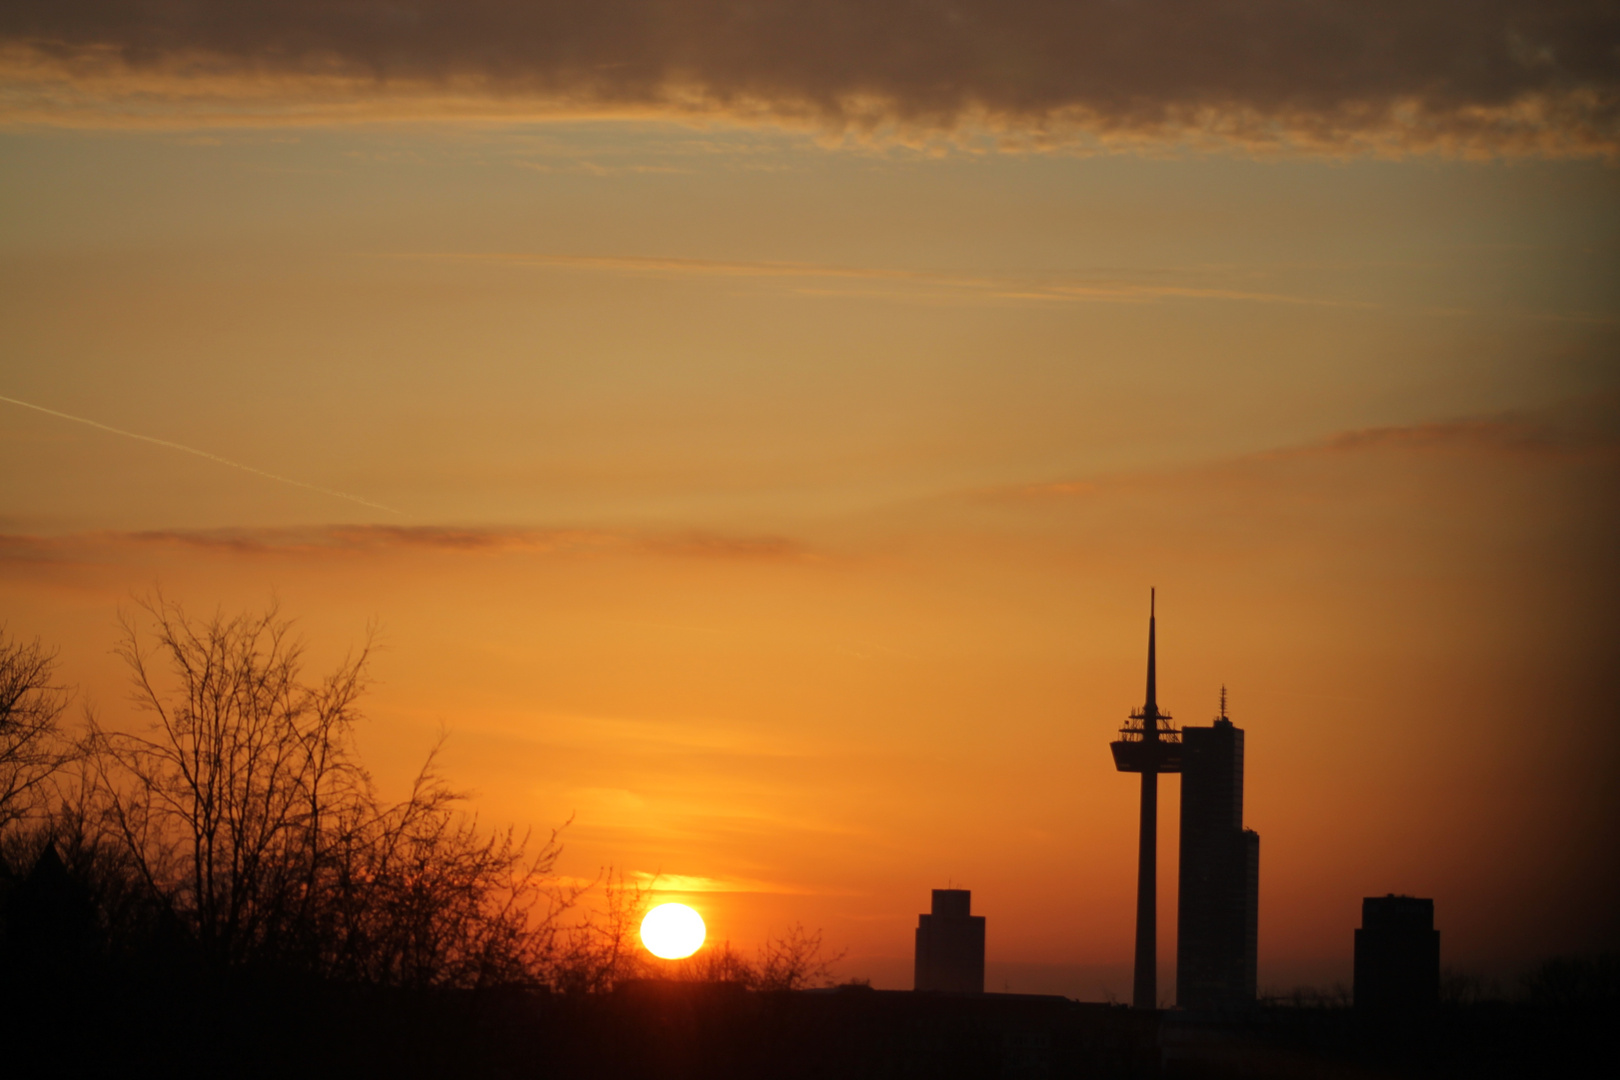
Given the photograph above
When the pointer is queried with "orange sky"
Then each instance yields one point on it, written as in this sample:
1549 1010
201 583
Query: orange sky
771 477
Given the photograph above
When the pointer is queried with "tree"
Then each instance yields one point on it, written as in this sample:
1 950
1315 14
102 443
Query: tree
792 961
420 895
244 806
600 951
240 821
32 745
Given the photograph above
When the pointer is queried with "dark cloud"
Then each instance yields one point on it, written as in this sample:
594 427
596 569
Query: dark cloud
1469 75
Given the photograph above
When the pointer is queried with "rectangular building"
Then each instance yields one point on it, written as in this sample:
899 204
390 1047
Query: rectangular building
1397 955
1218 913
950 945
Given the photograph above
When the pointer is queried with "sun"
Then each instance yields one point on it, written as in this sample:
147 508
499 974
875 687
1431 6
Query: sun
672 931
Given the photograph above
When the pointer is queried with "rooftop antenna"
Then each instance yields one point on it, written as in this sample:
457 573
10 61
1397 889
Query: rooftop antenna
1223 703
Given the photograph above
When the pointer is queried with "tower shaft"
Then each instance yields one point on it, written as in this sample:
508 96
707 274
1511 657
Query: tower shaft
1145 984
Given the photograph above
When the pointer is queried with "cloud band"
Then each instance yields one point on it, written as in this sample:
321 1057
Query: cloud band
1487 76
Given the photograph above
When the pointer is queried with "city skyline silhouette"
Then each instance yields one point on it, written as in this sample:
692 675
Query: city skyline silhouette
700 453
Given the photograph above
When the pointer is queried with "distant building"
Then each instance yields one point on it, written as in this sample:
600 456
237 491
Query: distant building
950 945
1218 912
1397 955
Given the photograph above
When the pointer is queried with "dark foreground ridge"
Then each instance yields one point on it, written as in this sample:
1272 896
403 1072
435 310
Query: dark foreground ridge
152 1023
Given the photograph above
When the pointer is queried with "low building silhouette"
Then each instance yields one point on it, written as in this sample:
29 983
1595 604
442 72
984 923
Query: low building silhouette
950 945
1397 955
1218 912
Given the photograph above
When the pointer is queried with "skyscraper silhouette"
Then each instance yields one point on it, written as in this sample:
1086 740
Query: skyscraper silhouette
950 945
1149 745
1397 955
1217 917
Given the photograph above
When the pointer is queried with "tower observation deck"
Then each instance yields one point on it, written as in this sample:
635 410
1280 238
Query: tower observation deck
1148 744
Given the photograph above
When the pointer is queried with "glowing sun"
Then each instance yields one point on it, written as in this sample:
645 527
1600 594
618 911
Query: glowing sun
672 931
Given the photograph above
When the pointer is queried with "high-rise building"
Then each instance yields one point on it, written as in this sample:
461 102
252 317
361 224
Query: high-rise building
1397 955
1218 912
1148 744
950 945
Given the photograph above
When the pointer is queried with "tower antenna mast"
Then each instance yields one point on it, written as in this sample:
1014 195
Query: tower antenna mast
1150 748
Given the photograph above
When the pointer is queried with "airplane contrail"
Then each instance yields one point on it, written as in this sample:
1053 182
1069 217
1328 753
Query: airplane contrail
203 454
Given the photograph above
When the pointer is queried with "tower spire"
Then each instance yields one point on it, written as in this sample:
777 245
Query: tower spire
1150 711
1150 749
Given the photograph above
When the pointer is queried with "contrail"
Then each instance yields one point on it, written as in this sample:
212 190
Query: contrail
204 454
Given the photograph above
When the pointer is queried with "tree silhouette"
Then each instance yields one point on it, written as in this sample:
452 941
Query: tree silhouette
793 961
32 745
601 950
244 806
790 961
238 829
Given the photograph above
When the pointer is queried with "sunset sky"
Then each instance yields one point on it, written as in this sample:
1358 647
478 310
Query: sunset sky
754 428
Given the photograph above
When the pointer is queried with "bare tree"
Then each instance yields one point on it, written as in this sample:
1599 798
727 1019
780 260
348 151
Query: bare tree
32 745
600 951
794 961
719 963
229 801
423 896
245 806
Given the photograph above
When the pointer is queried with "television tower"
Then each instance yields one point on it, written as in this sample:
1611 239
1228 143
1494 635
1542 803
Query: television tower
1148 744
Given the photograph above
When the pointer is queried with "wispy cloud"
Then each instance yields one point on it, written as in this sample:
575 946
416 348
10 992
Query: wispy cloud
672 265
1051 289
341 540
202 454
1129 292
1547 435
690 883
591 168
1516 437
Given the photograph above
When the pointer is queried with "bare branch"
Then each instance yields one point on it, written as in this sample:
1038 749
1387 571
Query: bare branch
33 747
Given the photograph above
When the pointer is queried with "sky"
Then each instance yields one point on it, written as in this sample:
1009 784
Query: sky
753 430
